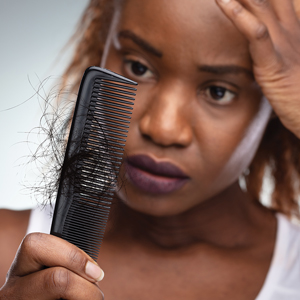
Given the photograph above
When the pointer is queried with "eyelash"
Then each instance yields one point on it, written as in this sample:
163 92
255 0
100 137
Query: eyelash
206 92
129 64
211 94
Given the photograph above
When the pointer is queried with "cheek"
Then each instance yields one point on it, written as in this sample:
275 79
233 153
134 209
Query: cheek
227 144
247 147
218 132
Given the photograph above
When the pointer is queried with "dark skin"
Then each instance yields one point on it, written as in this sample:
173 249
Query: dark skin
15 223
186 262
206 240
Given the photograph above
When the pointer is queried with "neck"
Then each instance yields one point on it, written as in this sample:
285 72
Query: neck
226 220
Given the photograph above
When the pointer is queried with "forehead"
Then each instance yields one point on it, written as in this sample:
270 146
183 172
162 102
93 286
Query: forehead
194 28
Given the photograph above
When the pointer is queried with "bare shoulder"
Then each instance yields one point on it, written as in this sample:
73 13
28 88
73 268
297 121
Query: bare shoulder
13 226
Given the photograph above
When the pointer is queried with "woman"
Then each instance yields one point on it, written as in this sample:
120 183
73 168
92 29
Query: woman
182 227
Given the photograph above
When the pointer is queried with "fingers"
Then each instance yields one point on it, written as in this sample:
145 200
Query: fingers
273 11
263 10
39 250
261 46
51 283
69 274
285 11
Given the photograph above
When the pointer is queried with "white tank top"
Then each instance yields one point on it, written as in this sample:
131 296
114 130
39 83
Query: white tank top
283 278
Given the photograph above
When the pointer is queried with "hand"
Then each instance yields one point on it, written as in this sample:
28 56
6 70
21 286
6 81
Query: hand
273 31
70 273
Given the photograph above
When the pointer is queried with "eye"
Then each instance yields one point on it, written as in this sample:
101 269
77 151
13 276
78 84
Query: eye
219 95
137 69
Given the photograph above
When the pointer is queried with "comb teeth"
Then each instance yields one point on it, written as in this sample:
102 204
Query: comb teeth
95 148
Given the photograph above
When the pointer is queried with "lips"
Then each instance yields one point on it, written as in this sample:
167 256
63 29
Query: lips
154 177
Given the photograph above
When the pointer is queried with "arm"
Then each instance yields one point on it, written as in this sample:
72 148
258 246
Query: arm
13 226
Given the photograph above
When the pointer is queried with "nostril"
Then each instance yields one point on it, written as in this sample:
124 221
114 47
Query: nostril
146 137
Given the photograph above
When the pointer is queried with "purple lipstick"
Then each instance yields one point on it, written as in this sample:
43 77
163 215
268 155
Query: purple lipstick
154 177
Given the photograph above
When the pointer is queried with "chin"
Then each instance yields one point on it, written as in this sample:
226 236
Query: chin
155 205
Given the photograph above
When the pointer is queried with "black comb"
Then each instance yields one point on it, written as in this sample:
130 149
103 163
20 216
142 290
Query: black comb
93 158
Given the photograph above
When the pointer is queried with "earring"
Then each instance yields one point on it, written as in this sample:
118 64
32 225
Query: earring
242 180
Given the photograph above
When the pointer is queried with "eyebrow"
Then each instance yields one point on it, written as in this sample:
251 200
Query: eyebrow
128 34
225 69
218 69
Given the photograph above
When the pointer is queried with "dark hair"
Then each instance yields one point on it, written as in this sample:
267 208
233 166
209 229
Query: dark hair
279 149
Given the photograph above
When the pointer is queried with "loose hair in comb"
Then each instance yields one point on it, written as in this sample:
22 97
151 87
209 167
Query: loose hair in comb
93 158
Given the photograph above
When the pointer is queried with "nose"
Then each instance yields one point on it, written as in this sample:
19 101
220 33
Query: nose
166 117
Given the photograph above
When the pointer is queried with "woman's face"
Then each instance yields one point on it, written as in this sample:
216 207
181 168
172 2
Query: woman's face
195 101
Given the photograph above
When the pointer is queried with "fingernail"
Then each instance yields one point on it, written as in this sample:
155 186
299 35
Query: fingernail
224 1
94 271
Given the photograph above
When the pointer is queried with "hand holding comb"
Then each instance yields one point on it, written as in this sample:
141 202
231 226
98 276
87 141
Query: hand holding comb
93 158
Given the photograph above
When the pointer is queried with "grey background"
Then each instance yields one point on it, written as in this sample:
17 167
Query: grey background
32 33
